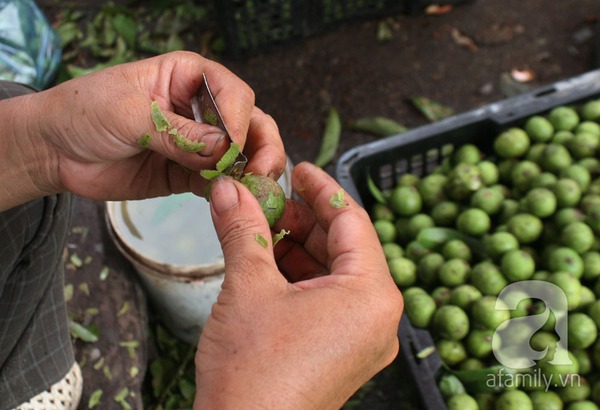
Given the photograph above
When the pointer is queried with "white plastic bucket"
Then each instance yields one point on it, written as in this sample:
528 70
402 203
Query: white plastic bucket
173 246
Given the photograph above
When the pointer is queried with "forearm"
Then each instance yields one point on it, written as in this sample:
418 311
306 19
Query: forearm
28 165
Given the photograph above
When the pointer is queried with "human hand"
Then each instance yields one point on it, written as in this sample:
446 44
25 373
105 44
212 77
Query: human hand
309 342
96 121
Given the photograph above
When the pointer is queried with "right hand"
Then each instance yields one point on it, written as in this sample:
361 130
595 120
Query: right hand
309 342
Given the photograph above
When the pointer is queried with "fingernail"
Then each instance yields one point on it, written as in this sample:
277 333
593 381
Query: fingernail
211 141
223 195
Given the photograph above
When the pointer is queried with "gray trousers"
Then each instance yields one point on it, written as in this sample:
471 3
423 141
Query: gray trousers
35 345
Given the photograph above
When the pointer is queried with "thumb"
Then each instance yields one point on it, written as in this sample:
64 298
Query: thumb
243 232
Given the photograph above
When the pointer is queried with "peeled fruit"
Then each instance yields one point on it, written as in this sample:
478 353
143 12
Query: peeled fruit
269 195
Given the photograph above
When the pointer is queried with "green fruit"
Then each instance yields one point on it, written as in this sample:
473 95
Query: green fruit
583 145
479 343
419 308
386 231
589 126
585 361
464 179
523 174
591 110
406 200
409 180
565 216
418 222
486 277
471 364
526 228
568 192
441 295
488 199
489 312
403 270
454 272
382 212
578 236
392 250
562 137
541 202
583 405
546 400
269 195
570 285
512 143
463 295
563 259
539 128
428 267
462 402
591 265
513 400
467 153
489 172
543 180
445 213
517 265
582 330
431 188
450 386
564 118
499 243
456 249
556 157
474 222
450 322
452 352
577 391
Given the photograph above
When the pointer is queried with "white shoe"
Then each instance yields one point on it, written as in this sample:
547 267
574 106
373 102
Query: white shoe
63 395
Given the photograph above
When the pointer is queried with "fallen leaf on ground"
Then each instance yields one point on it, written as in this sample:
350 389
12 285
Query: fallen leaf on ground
438 9
463 40
431 109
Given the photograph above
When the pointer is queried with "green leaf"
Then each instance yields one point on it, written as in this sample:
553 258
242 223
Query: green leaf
131 345
338 199
384 32
68 32
432 110
375 191
187 145
174 43
68 291
76 260
261 240
95 398
124 309
211 174
104 273
331 139
121 398
82 333
144 141
187 388
279 236
161 123
126 27
228 159
378 126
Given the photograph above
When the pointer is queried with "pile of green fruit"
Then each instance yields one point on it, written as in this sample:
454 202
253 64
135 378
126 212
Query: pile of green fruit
527 210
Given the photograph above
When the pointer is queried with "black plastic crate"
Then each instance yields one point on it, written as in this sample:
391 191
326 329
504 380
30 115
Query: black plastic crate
250 27
421 149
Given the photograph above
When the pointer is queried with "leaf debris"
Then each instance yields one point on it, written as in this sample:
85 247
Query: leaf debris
338 200
95 398
279 236
261 240
161 123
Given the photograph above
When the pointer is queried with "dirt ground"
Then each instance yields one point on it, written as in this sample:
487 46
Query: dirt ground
460 59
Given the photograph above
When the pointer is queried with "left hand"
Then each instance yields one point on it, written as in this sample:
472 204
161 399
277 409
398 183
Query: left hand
96 121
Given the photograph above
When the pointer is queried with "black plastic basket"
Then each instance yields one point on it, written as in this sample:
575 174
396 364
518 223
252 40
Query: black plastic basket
250 27
420 150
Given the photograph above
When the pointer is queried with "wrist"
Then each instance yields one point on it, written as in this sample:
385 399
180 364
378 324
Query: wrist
29 165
